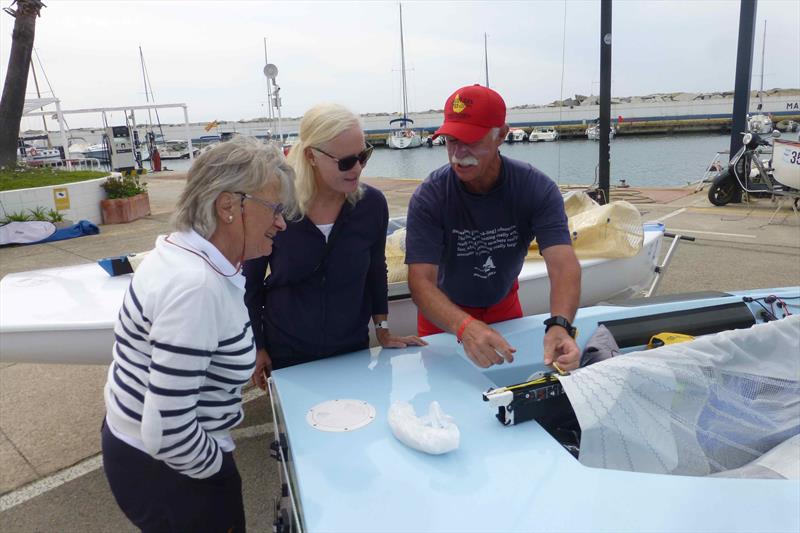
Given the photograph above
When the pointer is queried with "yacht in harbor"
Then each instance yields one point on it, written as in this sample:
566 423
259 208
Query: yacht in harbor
175 149
516 135
438 141
97 151
36 152
593 132
543 135
403 137
759 124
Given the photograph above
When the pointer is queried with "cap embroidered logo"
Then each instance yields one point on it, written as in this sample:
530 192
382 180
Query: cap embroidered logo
458 105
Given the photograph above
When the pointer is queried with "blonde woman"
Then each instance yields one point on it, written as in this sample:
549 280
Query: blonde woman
328 269
184 348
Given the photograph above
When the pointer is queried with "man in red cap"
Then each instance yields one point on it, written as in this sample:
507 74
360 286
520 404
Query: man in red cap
469 227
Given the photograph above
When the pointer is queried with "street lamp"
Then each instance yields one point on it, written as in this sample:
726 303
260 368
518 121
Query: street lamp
271 72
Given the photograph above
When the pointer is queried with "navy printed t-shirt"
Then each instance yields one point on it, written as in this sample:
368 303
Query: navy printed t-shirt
479 241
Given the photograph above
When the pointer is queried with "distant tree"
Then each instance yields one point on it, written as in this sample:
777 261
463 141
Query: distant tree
13 101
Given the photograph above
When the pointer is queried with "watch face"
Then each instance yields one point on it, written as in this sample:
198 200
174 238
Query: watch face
555 321
560 321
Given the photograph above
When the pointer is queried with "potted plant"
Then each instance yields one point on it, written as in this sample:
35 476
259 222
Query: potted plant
127 199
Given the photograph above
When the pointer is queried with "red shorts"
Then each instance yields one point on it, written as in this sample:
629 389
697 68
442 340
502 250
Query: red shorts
506 309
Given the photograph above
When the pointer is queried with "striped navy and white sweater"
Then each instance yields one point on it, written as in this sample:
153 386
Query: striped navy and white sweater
184 348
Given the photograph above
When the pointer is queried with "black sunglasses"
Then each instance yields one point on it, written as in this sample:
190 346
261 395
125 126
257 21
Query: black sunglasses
346 163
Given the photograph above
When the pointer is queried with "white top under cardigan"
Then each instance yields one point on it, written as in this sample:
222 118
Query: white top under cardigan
184 348
325 229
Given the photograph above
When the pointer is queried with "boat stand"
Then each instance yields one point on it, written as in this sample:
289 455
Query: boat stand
780 200
662 268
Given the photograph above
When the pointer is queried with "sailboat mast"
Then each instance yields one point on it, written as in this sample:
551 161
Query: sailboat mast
486 59
39 95
146 92
763 47
403 66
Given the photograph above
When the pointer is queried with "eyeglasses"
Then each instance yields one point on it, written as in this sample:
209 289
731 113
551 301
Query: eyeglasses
346 163
277 209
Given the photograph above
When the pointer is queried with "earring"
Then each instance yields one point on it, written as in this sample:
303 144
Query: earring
230 218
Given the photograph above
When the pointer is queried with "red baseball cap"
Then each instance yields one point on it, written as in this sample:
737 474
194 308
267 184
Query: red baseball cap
471 112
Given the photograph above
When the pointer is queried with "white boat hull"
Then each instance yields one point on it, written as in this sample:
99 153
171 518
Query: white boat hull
593 133
67 314
516 135
40 156
400 142
786 162
176 150
543 136
760 124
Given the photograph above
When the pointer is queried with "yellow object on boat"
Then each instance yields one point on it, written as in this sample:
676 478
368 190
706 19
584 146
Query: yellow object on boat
663 339
396 256
610 231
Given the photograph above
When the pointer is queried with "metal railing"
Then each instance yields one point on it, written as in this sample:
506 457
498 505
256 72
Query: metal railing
717 165
88 163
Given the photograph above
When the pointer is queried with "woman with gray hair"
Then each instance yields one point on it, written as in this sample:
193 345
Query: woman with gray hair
328 272
184 346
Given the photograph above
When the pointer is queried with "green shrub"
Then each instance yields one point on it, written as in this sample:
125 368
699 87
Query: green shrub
38 214
124 186
16 217
55 216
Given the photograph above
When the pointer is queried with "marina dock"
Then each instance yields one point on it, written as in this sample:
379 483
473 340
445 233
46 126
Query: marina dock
50 469
630 128
647 115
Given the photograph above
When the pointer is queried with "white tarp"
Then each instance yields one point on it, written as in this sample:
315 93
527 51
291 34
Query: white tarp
25 232
702 407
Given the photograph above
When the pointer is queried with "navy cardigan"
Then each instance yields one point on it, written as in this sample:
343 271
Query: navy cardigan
322 308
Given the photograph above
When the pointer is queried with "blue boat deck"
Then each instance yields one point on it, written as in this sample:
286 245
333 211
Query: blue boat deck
515 478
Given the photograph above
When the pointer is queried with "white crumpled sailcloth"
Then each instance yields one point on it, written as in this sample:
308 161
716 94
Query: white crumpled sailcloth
702 407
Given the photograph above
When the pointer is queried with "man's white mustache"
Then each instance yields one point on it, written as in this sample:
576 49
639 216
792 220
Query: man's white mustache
468 161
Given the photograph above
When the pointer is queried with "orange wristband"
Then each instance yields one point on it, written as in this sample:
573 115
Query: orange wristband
463 326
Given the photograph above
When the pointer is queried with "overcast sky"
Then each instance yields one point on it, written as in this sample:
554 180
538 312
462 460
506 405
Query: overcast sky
210 54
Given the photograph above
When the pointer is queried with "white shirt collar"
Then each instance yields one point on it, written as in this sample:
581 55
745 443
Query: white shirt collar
196 242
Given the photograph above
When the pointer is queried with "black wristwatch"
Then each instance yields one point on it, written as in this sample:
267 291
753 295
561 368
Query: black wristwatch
560 321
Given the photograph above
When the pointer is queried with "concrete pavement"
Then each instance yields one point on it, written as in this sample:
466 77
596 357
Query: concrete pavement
50 414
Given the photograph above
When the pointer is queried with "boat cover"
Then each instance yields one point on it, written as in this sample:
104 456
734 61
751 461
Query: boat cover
39 231
608 231
25 232
703 407
79 229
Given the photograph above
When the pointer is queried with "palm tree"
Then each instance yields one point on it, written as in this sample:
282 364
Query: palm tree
13 100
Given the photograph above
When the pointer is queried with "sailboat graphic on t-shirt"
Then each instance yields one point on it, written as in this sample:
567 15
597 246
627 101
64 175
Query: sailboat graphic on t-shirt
487 270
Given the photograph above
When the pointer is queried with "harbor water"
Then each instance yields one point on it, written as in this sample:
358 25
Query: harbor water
643 161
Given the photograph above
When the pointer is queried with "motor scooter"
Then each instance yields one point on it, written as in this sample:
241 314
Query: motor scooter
747 172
